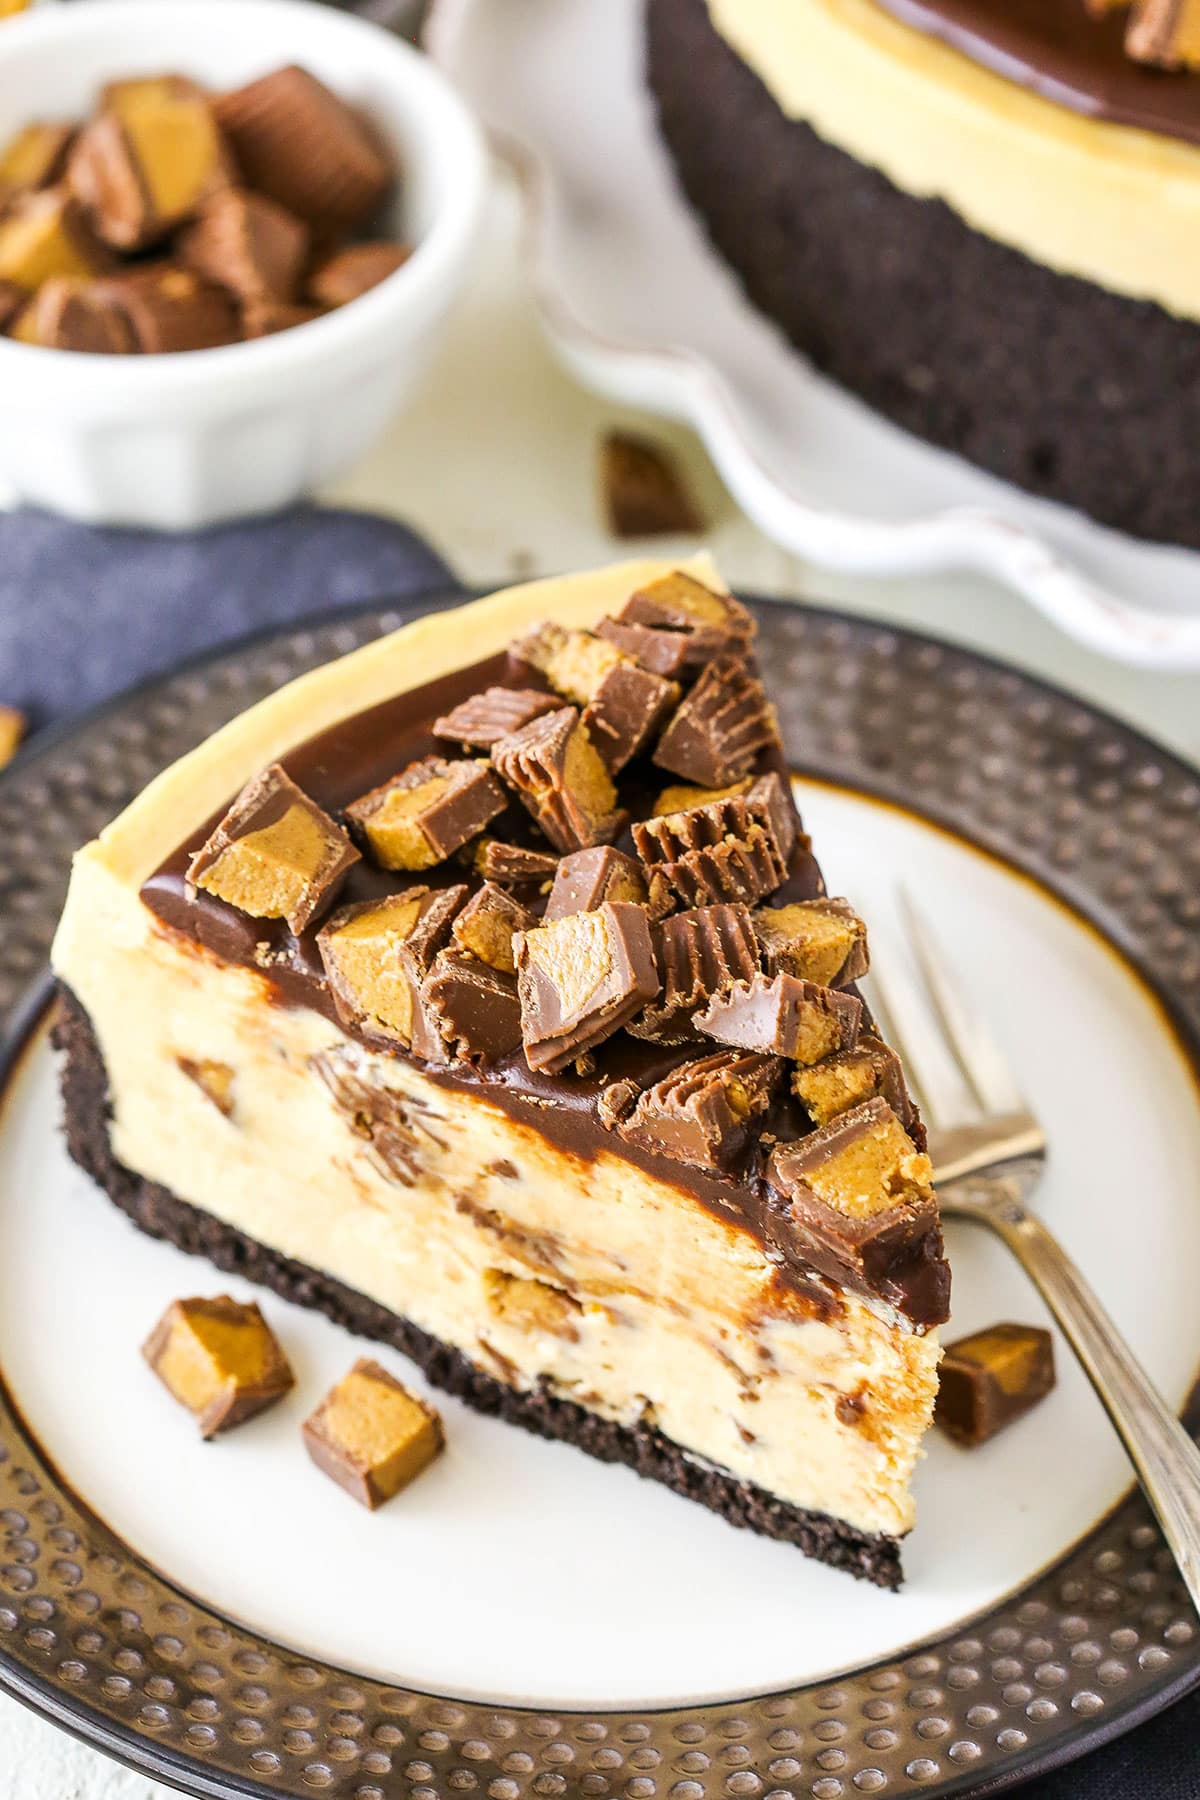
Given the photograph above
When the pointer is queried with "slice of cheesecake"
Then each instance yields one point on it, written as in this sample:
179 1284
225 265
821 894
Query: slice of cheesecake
498 1011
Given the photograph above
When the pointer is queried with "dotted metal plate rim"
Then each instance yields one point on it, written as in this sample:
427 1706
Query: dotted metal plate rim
101 1644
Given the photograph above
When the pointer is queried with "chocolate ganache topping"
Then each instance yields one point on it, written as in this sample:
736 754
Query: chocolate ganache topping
679 905
1061 50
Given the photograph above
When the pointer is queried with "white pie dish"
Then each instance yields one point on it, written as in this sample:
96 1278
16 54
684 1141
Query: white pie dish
185 440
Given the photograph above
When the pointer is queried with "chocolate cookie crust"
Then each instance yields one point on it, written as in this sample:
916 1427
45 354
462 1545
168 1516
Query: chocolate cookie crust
873 1557
1052 382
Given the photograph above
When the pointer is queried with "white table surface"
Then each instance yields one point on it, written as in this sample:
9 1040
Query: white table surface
495 463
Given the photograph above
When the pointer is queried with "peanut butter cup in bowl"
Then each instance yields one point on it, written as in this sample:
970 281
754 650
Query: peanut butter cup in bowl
229 234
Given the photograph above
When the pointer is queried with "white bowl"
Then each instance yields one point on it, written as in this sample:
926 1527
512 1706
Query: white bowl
183 440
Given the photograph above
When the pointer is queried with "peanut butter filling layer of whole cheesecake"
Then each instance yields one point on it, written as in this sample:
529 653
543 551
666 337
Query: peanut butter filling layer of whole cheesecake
500 1011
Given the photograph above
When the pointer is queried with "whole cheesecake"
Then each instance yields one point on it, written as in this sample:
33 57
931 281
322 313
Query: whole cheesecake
983 216
481 990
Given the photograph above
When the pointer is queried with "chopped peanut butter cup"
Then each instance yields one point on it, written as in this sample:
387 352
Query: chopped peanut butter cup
12 729
485 718
580 978
713 624
840 1082
992 1378
429 810
683 796
573 662
275 854
485 926
376 955
32 159
167 308
820 940
1165 32
726 850
514 865
473 1006
561 779
642 490
144 167
587 878
783 1015
46 234
625 712
670 654
862 1207
215 1081
220 1359
248 244
263 318
527 1304
371 1435
721 728
67 314
12 300
701 954
354 271
300 144
703 1112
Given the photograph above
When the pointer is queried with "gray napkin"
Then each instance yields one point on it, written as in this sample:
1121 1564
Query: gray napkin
85 611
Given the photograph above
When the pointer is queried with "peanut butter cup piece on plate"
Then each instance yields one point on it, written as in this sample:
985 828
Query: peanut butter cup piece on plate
371 1435
642 489
992 1378
220 1359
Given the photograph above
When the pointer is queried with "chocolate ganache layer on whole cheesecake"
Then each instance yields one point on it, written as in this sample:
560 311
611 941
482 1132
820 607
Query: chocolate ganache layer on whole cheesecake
501 1012
979 215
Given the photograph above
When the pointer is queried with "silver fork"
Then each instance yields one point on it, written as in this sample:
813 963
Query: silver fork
988 1153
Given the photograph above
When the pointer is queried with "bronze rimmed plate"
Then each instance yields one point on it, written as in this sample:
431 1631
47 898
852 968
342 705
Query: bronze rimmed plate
94 1637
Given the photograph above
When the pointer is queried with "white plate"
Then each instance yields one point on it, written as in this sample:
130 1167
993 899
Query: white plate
523 1570
642 309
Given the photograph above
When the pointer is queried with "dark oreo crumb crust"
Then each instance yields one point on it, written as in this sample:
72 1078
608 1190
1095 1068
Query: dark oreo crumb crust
156 1211
1073 392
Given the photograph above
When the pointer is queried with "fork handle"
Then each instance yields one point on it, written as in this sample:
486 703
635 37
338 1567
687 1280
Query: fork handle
1165 1457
